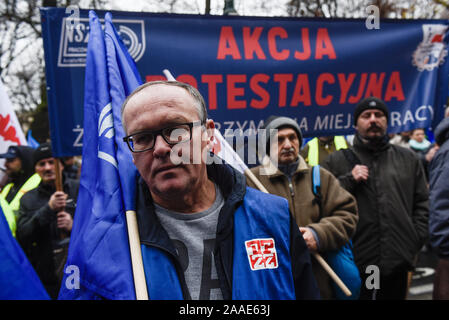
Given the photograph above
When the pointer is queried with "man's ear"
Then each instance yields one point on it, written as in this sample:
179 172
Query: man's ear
210 127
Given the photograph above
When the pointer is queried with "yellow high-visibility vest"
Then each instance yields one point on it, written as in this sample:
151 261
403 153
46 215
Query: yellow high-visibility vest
6 189
313 155
30 184
9 215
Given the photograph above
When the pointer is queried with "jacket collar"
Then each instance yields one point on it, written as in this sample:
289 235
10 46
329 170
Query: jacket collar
272 171
232 184
442 131
51 188
371 147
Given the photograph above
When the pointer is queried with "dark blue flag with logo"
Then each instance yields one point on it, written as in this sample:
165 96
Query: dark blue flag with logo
99 250
18 280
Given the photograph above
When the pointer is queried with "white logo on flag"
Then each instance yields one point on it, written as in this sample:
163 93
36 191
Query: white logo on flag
106 122
106 129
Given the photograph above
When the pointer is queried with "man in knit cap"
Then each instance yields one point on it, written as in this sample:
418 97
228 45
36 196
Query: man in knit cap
389 184
285 173
46 219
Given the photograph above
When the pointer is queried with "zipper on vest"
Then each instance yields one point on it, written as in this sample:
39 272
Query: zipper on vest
182 280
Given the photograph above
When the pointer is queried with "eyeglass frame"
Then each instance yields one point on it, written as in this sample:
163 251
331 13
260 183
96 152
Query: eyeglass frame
159 133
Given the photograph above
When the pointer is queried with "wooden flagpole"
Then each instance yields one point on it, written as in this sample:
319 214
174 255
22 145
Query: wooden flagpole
58 186
58 181
140 285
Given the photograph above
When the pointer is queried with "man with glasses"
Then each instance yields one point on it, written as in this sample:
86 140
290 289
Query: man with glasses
204 234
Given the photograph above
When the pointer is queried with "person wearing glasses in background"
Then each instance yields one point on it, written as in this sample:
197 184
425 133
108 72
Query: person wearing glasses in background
204 234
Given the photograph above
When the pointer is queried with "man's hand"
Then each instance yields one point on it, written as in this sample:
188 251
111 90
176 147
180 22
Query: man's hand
309 238
360 173
57 201
64 221
431 153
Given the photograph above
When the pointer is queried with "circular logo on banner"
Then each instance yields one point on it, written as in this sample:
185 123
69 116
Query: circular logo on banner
134 44
432 51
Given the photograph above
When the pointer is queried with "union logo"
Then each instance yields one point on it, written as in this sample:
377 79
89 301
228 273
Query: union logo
73 41
261 254
432 50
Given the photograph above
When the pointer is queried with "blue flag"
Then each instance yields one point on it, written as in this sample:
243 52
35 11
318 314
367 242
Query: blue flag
18 280
99 248
31 141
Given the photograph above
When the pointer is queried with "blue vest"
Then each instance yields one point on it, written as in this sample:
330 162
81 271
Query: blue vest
261 258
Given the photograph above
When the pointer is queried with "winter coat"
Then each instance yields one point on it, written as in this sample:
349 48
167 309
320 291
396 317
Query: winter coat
25 154
339 209
233 187
439 192
37 232
393 204
422 152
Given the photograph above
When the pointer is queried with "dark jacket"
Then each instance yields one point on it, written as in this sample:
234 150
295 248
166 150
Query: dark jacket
25 154
439 192
422 156
339 209
233 186
393 204
37 232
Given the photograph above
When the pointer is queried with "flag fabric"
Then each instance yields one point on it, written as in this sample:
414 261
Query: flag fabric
221 147
18 280
224 150
11 132
31 141
99 241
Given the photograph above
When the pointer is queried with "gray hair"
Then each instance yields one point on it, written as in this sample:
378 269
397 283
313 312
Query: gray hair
194 93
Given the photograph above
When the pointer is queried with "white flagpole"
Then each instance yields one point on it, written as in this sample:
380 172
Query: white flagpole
168 75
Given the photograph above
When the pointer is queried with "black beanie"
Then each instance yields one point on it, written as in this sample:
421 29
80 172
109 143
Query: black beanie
370 103
42 152
274 122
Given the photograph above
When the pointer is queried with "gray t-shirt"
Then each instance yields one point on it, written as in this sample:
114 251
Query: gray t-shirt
193 235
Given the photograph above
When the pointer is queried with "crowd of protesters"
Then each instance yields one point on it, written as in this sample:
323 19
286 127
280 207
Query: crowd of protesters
385 194
42 216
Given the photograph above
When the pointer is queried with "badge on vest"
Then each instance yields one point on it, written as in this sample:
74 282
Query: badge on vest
261 254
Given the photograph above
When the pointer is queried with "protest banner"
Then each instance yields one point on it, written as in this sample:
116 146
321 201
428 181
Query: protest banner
248 68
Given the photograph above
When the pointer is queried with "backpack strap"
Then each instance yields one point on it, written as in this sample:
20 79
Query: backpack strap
316 187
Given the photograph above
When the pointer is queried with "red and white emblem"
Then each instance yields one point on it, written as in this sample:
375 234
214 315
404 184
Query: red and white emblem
261 254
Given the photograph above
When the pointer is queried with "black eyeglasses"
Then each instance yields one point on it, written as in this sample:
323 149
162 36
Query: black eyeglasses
145 140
